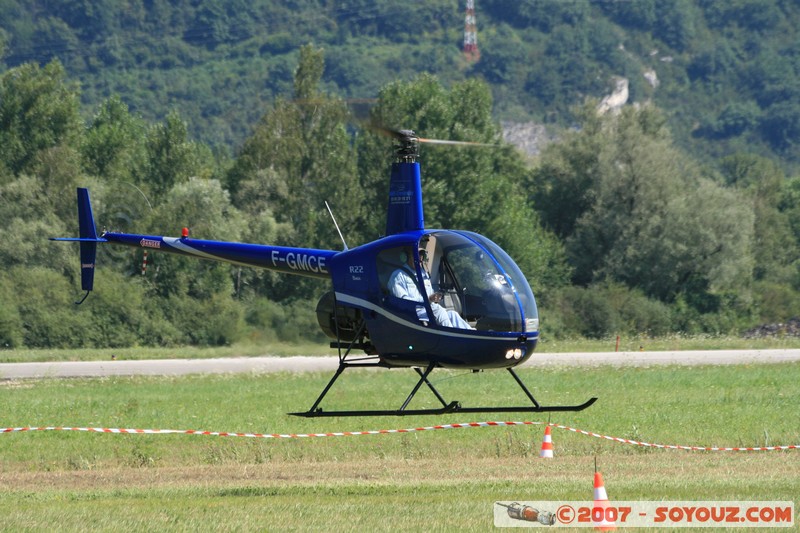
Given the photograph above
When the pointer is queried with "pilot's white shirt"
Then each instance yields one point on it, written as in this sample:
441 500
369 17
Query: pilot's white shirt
402 284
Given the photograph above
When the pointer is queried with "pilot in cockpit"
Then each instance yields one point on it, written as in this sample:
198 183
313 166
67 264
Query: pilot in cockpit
402 284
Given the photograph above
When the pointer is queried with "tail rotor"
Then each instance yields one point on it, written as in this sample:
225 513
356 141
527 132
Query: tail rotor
88 240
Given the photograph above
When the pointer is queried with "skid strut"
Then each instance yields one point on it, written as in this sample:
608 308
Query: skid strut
447 408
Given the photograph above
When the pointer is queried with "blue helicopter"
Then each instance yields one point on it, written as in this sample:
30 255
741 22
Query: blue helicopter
417 298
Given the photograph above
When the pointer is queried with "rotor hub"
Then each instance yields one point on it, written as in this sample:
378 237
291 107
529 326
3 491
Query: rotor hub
407 148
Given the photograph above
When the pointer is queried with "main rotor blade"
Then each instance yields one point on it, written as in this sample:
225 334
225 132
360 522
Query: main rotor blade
386 132
457 143
405 134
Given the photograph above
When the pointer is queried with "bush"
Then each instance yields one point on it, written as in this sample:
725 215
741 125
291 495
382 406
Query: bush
605 310
122 315
10 321
43 299
215 321
287 322
775 302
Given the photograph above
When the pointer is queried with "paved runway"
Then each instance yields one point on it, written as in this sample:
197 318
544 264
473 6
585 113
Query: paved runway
175 367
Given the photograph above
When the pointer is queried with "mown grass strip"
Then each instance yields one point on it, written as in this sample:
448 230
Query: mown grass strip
438 480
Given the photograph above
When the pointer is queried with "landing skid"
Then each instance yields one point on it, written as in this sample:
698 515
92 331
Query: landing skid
447 408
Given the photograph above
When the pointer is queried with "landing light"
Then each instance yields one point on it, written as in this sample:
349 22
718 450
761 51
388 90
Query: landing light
514 353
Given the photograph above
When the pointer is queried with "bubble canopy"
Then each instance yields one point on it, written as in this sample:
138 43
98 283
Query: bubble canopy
485 285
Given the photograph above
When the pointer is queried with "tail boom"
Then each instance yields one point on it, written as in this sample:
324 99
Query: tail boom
303 261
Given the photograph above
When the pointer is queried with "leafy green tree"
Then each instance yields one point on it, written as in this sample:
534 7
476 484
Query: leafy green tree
751 14
3 44
122 313
11 329
203 207
560 186
171 158
604 310
503 59
38 112
219 21
775 248
790 205
781 127
648 217
736 119
677 21
641 15
29 216
112 144
771 76
714 62
542 15
55 34
299 157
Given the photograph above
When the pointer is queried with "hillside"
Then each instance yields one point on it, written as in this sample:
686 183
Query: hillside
726 73
674 209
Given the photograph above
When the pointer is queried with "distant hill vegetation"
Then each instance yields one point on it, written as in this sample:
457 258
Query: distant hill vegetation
726 73
664 195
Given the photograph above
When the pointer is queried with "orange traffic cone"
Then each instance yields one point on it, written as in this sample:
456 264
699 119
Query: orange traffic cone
600 510
547 444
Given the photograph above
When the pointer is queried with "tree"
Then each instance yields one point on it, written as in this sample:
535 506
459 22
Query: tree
790 204
775 248
203 207
647 216
781 127
300 156
560 187
28 213
170 157
112 144
676 23
38 111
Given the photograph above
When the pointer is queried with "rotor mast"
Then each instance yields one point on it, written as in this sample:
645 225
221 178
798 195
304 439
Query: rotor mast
405 187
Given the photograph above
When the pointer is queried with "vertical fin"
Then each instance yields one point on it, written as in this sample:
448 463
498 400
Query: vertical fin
88 248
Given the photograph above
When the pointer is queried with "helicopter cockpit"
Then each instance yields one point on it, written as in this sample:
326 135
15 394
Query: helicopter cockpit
468 275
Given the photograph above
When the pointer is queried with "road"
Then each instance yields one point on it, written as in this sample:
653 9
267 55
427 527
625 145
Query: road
176 367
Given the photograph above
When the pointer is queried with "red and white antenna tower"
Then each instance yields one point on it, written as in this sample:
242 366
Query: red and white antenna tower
471 34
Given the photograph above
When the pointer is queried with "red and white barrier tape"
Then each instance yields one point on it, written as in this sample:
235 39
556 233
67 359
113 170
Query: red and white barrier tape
680 447
391 431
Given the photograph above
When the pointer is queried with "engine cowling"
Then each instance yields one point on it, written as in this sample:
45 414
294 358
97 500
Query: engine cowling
346 320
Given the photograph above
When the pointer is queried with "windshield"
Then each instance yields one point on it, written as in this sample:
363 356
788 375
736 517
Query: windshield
481 282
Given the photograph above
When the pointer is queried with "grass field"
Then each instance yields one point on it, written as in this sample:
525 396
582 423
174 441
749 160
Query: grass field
434 480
